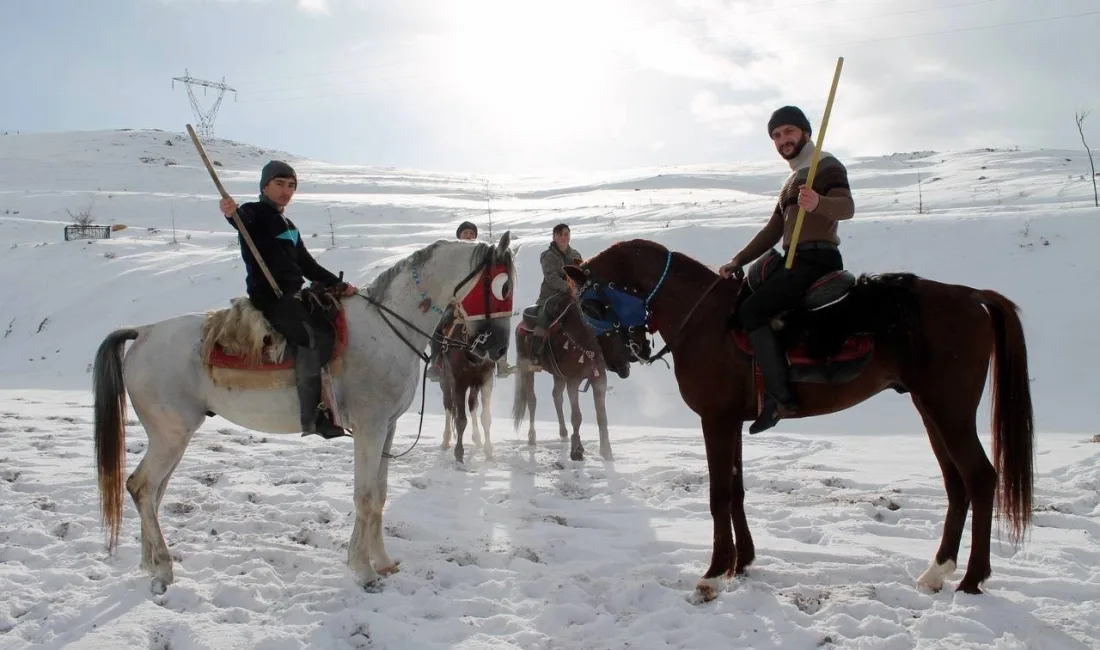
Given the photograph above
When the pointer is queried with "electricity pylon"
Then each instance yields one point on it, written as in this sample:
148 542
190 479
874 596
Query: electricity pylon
205 119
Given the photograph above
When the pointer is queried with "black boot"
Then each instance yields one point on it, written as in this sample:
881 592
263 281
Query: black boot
773 366
307 370
538 341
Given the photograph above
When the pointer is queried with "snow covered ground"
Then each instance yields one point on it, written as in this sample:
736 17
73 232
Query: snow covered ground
531 550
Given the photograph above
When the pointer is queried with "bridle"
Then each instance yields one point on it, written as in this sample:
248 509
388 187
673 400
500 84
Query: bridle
486 265
610 309
628 310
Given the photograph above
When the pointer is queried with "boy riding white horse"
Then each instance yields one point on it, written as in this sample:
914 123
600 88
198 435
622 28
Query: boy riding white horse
310 337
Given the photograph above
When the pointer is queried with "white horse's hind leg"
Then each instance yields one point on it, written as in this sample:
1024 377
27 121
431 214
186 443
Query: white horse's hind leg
486 416
169 433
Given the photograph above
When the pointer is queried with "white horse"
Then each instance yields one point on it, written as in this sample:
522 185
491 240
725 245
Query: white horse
173 390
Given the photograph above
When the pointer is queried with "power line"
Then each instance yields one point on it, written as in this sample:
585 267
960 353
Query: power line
744 57
276 89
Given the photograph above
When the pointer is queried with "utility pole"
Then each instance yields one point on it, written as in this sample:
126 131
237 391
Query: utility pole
205 119
489 206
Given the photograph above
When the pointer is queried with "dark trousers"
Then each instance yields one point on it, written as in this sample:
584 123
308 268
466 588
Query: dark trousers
784 288
289 317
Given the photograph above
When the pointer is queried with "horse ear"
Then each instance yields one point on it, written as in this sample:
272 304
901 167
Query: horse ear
576 274
505 241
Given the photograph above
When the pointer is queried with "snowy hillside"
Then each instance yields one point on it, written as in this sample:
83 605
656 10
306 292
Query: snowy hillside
531 550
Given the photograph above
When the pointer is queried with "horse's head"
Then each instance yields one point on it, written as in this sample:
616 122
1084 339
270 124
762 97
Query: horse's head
614 289
484 298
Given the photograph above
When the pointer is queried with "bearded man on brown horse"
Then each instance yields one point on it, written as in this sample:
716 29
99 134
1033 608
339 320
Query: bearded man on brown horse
827 203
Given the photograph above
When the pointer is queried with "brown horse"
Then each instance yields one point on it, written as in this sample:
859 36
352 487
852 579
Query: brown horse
849 340
572 353
463 376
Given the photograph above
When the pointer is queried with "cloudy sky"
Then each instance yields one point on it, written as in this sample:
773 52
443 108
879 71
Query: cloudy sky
538 85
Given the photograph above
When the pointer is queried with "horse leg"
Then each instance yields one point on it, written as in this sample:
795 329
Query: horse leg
720 448
447 420
744 549
599 396
532 400
557 393
370 440
959 434
947 557
447 386
375 531
471 403
486 415
460 419
576 450
169 433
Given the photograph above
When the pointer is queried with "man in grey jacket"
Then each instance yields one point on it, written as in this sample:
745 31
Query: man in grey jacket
554 285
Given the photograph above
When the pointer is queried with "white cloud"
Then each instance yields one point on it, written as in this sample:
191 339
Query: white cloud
314 6
729 119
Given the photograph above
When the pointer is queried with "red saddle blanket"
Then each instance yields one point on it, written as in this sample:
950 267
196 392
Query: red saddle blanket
854 347
219 358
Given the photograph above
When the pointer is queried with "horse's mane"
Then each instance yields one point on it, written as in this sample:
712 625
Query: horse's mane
692 270
381 284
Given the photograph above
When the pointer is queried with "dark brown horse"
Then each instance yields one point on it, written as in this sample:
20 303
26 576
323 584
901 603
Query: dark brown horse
849 340
463 376
572 354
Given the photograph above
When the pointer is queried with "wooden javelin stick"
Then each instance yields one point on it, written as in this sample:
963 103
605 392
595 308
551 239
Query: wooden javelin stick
236 215
813 162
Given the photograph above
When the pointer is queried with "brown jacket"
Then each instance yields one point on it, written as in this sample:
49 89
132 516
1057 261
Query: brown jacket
836 204
553 263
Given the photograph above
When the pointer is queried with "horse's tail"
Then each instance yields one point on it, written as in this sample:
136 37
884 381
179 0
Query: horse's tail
525 381
1012 417
110 427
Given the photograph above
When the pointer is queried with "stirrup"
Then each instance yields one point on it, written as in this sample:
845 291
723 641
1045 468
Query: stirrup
323 426
773 412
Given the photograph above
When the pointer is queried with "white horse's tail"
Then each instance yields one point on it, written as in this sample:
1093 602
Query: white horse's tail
110 427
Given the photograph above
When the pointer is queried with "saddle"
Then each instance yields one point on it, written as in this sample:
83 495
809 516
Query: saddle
240 348
811 360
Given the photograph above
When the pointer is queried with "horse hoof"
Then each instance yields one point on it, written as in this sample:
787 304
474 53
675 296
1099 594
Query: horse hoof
373 587
389 570
706 590
158 587
968 588
576 455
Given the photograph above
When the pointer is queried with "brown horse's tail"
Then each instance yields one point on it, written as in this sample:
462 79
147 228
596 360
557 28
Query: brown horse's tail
110 427
1012 418
525 381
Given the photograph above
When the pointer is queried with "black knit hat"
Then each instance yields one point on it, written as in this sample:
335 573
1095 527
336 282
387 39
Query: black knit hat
465 225
789 115
276 169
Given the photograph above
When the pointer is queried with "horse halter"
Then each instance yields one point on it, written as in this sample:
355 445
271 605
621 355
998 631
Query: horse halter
610 309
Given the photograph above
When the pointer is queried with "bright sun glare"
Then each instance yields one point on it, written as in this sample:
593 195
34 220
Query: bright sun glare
535 71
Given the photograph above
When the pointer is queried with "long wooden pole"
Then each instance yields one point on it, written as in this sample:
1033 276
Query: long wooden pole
236 215
813 163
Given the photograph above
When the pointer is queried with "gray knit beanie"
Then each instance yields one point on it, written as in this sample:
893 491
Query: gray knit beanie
276 169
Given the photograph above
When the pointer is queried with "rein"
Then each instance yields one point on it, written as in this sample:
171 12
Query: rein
680 330
486 264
